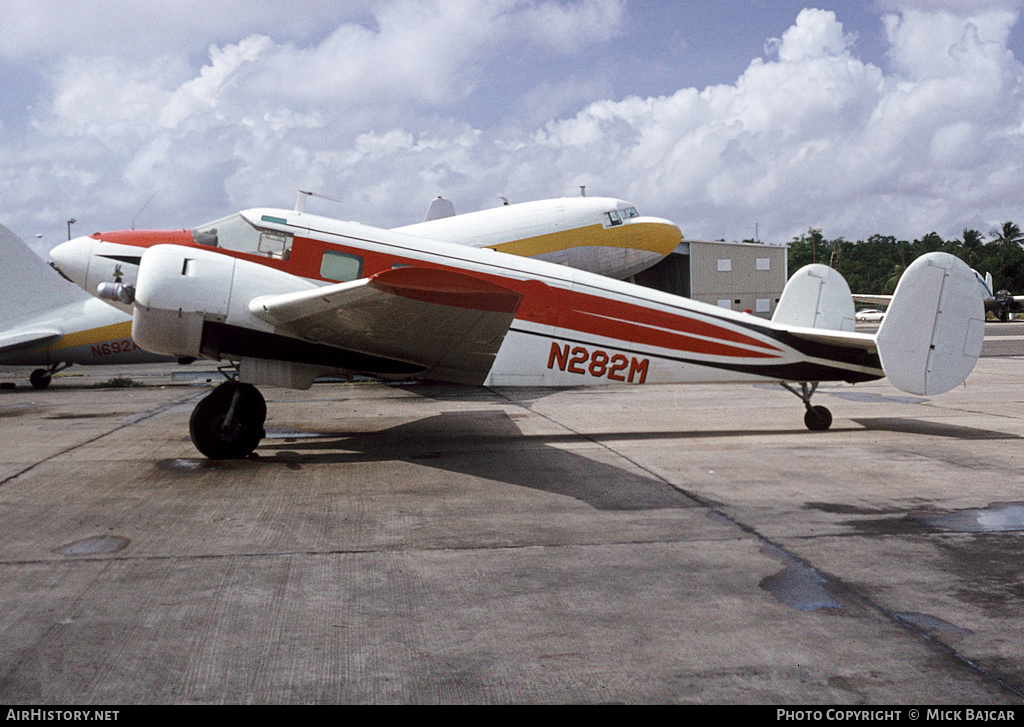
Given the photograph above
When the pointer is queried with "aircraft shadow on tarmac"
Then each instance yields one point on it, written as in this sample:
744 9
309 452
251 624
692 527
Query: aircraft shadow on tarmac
485 444
931 429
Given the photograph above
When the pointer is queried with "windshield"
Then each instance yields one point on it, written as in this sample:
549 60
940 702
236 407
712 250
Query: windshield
237 233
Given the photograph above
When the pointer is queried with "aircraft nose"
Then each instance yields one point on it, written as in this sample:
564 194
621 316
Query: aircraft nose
72 259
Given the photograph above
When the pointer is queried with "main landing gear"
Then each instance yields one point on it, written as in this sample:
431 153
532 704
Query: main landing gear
40 378
228 422
817 418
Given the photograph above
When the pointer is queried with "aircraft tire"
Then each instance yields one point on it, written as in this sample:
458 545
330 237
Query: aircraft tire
206 423
40 379
818 418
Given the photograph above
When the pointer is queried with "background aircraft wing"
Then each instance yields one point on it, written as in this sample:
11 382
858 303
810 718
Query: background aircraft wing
449 323
18 341
882 300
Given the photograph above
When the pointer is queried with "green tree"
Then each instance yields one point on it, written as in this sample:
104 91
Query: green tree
1008 234
971 247
807 249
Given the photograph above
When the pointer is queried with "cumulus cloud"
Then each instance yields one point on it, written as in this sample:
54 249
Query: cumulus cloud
819 138
373 109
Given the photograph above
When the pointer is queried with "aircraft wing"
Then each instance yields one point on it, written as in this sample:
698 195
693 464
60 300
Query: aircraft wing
441 320
18 341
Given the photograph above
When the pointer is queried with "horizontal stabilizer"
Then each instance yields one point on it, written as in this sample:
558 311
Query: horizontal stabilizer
816 297
449 323
932 333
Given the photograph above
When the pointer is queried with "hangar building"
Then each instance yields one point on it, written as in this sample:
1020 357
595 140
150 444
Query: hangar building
736 275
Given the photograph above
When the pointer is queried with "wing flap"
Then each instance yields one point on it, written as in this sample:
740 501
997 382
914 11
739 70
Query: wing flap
450 323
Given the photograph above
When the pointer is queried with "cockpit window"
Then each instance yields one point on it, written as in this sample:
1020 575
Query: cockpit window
238 234
617 217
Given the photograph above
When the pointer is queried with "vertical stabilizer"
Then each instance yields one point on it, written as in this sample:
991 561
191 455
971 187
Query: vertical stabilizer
439 209
816 297
932 333
30 285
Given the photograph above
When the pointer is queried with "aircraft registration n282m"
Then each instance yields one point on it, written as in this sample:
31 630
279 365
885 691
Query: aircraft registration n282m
285 297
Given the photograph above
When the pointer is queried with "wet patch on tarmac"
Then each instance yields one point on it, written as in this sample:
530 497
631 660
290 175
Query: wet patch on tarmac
842 508
189 465
61 417
998 517
797 585
899 524
984 570
930 623
95 545
931 429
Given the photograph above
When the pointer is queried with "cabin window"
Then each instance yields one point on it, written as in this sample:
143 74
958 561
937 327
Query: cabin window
340 266
725 265
275 244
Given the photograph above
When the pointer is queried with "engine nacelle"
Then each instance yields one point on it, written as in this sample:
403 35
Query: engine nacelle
178 289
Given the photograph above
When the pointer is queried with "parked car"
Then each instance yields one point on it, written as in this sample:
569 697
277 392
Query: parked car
869 315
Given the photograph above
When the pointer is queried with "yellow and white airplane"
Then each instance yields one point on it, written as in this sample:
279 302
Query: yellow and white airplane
599 235
49 322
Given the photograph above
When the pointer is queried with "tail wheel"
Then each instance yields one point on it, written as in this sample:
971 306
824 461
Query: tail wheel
228 423
818 418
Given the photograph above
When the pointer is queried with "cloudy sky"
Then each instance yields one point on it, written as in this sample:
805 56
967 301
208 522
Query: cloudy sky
854 116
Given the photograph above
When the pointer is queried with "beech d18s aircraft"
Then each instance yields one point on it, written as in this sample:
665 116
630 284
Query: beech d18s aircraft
285 297
46 321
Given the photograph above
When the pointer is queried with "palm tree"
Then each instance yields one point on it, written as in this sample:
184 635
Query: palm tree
893 278
973 241
1008 234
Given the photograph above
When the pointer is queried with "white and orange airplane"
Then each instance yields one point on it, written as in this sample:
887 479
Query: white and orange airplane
46 321
286 296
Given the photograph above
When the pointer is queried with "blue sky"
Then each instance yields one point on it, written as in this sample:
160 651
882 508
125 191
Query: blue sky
857 117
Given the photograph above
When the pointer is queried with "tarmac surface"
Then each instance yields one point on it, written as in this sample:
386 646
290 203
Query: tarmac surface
435 544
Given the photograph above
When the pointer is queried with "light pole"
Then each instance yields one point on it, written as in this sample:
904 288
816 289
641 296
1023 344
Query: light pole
71 222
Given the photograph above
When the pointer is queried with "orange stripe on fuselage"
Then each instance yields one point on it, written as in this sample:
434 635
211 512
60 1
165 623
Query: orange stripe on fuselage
643 334
642 316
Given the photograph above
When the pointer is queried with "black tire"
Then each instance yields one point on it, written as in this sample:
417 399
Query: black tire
206 424
818 418
40 378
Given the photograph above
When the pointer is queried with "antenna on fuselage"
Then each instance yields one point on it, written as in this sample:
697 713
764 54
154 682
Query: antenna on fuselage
137 213
300 202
